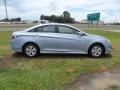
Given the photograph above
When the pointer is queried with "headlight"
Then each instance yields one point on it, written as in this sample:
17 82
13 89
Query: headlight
107 40
109 43
14 36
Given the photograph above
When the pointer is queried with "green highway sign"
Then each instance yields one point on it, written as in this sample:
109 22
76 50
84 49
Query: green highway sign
93 17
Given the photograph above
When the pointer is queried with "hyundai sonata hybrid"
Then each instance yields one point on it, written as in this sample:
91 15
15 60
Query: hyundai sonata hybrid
59 38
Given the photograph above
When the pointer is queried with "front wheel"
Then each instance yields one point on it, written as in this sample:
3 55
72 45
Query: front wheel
31 50
96 50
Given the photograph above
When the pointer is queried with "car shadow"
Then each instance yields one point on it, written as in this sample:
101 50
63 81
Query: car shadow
59 56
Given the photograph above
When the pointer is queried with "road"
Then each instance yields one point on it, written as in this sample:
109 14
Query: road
114 30
17 27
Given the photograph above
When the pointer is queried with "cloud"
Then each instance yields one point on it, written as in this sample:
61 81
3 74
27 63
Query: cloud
32 9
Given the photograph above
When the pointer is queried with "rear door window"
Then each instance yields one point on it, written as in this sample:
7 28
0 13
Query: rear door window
48 28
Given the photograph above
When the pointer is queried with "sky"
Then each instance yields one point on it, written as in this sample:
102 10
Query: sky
32 9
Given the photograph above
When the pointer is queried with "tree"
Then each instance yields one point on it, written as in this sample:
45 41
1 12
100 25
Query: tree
53 18
15 19
66 14
4 20
64 18
42 17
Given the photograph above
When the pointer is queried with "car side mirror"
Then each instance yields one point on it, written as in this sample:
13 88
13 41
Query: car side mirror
81 33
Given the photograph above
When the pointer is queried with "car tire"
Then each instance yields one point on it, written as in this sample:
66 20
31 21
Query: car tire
96 50
31 50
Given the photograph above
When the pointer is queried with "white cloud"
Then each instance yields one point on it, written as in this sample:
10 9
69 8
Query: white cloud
32 9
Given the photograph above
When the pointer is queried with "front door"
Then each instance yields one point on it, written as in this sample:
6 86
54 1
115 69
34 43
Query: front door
69 40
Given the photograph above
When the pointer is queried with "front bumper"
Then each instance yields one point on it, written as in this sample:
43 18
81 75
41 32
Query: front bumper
16 46
108 49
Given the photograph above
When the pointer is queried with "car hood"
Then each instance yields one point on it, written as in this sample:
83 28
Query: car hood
95 37
17 32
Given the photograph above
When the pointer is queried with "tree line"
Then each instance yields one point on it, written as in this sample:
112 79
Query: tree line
18 19
64 18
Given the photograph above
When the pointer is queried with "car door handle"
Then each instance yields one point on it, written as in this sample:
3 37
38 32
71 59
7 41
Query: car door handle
37 35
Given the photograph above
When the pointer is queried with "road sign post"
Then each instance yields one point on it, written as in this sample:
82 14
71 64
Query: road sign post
93 17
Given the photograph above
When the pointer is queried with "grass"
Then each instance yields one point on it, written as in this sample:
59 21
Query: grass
15 26
100 27
50 72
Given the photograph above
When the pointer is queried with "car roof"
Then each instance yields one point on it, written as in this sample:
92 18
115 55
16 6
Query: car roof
48 24
26 30
53 24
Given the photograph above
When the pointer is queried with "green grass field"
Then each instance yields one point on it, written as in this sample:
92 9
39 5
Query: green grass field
100 27
15 26
50 72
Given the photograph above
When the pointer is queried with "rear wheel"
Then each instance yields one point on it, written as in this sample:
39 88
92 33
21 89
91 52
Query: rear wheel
96 50
31 50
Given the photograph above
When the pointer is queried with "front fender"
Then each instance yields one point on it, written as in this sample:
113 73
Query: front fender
91 42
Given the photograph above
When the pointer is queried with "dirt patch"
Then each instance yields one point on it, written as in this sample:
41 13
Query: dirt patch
6 61
108 80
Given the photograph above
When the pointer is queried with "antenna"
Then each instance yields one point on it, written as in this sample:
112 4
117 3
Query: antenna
6 10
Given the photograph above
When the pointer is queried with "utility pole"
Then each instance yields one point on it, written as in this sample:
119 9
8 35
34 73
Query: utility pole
6 10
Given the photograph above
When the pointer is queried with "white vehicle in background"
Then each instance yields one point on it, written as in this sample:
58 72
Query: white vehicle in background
5 22
44 22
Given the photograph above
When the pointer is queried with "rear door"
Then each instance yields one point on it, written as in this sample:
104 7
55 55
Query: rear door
48 38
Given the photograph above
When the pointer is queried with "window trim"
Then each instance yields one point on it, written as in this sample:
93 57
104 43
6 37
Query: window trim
56 31
67 27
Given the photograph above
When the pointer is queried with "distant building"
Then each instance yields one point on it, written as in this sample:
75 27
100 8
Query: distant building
85 21
27 22
5 22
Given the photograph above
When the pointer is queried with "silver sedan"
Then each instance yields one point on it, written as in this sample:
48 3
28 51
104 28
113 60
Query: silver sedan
60 39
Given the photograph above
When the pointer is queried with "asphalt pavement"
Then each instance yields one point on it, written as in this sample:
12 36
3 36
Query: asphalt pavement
18 27
114 30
